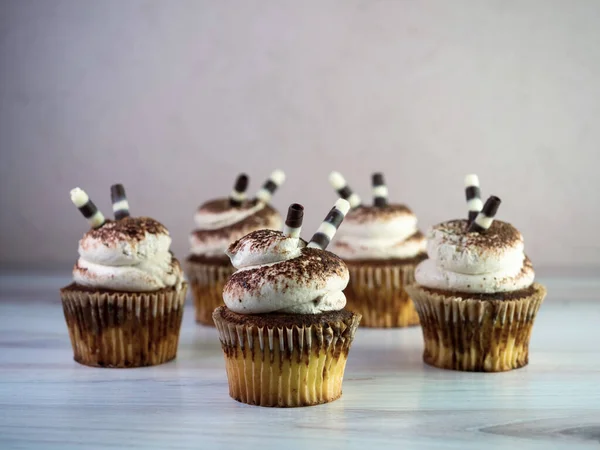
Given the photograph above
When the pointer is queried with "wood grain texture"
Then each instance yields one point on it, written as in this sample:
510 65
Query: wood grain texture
391 399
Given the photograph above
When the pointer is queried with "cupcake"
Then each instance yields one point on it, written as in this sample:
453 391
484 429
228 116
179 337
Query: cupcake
475 295
125 304
381 245
219 223
283 329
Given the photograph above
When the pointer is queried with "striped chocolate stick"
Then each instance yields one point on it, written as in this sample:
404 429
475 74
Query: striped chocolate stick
473 195
120 205
238 195
293 222
485 218
380 190
329 226
338 182
268 189
87 208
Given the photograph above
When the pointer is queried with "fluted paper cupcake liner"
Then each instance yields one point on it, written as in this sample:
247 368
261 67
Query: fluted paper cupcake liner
377 292
476 335
123 329
285 366
207 282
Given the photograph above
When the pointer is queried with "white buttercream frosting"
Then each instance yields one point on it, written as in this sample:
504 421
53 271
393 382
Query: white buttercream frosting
131 254
371 232
219 224
489 262
280 274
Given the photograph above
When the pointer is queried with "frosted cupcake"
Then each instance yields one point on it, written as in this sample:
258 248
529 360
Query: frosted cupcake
381 245
284 331
219 223
475 295
125 306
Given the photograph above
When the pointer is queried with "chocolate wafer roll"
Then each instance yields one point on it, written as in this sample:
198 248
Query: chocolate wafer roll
268 189
238 195
293 222
87 208
473 195
120 205
329 226
338 182
380 190
485 218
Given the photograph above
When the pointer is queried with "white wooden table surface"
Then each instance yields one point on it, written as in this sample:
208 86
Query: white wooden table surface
391 399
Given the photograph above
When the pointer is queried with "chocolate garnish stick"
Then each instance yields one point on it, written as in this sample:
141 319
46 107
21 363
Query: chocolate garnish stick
120 205
485 218
338 182
268 189
473 195
293 222
87 208
238 195
380 190
329 226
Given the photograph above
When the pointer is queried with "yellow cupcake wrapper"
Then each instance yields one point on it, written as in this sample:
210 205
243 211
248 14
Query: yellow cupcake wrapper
476 335
286 366
377 292
123 329
207 282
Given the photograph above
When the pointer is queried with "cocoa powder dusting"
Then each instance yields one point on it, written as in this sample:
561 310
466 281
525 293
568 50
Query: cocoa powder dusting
128 228
315 266
368 213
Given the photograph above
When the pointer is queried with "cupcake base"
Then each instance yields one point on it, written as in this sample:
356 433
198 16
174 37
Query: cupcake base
478 333
207 278
123 329
285 360
376 291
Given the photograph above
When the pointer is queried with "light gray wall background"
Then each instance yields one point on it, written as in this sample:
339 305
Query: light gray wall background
174 98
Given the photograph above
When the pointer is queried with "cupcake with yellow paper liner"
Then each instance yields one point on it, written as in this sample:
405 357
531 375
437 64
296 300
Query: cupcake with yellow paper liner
284 331
381 245
219 223
125 306
475 295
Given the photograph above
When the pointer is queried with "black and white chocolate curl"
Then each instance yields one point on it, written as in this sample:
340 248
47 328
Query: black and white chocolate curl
380 190
338 182
238 195
485 218
473 195
329 226
120 205
87 208
268 189
293 222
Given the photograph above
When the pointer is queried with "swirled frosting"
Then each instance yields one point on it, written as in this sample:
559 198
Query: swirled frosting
131 254
219 224
372 232
280 274
485 263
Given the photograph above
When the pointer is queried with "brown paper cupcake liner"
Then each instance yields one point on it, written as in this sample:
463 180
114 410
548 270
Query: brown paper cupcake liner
285 365
476 335
377 292
207 282
123 329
